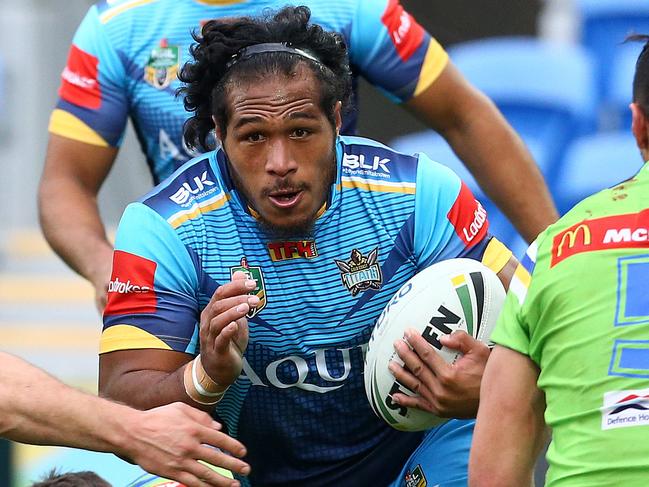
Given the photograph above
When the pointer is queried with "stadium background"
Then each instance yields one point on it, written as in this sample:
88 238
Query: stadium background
46 312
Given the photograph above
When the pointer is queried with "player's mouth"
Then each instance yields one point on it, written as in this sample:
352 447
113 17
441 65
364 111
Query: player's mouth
286 199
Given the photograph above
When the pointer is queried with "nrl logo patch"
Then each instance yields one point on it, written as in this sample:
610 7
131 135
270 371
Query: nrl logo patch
254 273
416 478
162 67
360 272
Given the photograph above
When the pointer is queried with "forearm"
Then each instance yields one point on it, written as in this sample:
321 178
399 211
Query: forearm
509 391
143 388
36 408
71 223
503 167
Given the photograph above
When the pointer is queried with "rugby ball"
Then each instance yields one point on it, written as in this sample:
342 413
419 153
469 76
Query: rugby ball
455 294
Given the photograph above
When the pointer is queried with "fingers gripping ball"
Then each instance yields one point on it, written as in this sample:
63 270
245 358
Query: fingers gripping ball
455 294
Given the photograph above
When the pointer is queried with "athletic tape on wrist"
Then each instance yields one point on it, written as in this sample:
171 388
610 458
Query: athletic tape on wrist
197 383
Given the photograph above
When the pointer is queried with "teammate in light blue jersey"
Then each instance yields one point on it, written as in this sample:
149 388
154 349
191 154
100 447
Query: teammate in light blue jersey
249 281
123 64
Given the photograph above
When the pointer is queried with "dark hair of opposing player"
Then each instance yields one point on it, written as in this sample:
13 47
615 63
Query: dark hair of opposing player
71 479
641 76
207 77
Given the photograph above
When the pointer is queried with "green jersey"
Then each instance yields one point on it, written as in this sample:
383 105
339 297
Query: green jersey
578 306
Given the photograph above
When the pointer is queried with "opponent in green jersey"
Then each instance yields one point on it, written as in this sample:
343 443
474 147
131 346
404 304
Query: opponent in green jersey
573 344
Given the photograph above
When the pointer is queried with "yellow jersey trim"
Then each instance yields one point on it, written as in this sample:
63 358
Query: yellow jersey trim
215 203
434 63
384 187
67 125
496 255
120 9
127 337
523 275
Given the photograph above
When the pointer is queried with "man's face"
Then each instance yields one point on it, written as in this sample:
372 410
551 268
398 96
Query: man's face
281 149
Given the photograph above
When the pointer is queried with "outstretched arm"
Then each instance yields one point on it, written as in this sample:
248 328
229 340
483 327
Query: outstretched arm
489 147
510 429
67 202
168 441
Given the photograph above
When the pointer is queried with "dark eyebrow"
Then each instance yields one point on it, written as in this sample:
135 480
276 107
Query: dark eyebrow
246 120
306 115
292 116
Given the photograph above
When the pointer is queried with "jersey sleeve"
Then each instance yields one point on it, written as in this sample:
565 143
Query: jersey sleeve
92 105
512 329
152 294
393 51
450 222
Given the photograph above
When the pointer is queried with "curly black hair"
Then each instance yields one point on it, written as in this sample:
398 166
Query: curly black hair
208 76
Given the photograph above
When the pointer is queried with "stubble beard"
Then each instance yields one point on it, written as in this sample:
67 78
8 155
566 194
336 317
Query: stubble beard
304 227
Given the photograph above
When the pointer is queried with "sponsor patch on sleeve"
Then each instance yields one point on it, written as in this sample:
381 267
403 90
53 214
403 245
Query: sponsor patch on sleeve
406 34
468 217
131 287
80 84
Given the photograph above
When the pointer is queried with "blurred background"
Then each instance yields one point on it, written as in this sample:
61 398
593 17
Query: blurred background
556 68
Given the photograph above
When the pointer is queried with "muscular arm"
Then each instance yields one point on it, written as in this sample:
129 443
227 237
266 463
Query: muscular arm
37 408
503 452
67 203
145 378
490 149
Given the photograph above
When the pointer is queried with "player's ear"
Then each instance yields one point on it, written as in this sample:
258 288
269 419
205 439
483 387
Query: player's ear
639 126
338 116
217 130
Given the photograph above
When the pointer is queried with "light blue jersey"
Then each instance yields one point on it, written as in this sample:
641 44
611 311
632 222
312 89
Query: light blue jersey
126 54
299 405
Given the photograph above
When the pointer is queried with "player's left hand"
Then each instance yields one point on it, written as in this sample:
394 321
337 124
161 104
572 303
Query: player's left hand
448 391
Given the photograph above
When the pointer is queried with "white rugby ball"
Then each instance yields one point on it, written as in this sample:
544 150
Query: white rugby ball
455 294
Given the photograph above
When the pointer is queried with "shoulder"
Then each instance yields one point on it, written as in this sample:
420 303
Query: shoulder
371 160
120 11
191 190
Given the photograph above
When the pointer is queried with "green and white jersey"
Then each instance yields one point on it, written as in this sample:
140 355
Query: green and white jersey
578 306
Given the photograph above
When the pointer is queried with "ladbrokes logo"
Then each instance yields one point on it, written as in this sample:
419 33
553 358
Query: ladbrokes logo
79 77
630 230
405 32
131 289
468 217
187 193
118 286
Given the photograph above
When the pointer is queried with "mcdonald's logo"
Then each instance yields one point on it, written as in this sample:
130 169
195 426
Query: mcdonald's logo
571 241
572 238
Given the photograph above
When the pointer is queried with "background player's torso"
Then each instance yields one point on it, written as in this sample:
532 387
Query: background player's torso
137 49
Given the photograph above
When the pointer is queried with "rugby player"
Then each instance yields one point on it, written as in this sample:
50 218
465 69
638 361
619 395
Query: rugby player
276 270
572 351
124 62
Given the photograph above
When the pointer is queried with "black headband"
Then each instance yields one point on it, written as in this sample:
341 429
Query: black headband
250 51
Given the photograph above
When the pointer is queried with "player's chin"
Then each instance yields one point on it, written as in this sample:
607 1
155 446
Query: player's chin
289 225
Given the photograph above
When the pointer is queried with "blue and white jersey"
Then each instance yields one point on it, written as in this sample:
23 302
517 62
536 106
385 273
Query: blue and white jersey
299 405
126 54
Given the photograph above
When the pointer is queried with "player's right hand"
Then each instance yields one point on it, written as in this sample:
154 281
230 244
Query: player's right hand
224 329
